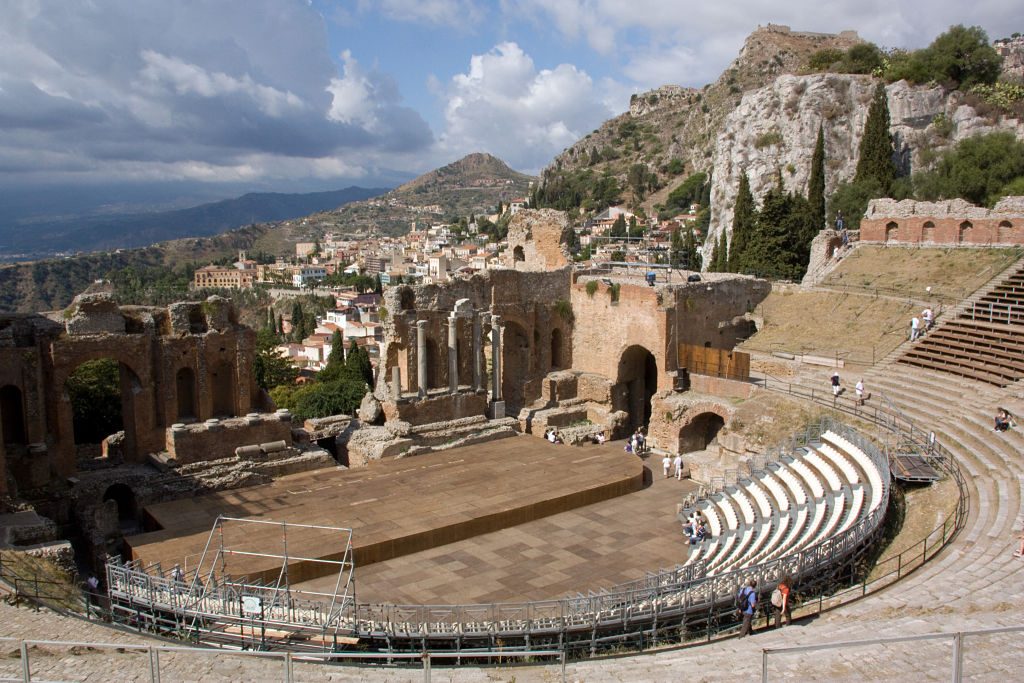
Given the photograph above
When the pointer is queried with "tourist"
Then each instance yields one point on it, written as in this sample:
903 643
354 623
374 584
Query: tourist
177 575
781 602
666 464
915 328
859 388
835 383
747 606
600 438
639 442
1002 420
677 463
928 317
92 585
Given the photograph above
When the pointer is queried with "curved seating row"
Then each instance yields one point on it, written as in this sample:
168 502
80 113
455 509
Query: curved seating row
818 491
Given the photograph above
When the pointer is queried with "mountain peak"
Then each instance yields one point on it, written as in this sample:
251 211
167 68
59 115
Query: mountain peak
478 169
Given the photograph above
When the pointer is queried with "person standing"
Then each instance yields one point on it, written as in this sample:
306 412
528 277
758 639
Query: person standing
928 317
835 383
677 462
915 328
859 388
748 605
782 606
666 463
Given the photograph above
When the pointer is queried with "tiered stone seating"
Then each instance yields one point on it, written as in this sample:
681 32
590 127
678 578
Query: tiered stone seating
864 462
985 341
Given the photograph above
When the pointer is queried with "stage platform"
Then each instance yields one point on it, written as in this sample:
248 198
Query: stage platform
394 507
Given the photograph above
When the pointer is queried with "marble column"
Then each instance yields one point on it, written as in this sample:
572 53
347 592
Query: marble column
396 382
478 353
496 357
421 357
453 353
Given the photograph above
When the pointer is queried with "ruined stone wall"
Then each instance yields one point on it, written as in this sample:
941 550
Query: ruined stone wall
538 241
436 408
151 345
952 222
216 439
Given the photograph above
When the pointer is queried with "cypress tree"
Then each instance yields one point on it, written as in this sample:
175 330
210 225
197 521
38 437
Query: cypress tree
690 253
720 256
743 218
816 183
335 361
874 161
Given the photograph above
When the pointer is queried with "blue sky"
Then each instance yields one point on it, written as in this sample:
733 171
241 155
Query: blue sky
319 93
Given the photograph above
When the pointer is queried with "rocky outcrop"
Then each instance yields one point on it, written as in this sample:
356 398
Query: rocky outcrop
774 130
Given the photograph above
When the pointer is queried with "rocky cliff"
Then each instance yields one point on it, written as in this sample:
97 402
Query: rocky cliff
774 128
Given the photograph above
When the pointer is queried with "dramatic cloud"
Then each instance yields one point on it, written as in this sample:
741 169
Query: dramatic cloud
505 106
150 89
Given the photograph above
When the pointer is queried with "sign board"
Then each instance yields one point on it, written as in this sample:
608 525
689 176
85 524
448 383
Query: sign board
251 604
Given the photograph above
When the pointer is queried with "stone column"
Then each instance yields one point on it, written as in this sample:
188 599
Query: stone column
453 353
396 382
496 357
478 353
421 357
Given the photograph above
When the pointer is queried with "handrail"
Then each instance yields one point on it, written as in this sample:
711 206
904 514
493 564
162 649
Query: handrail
957 637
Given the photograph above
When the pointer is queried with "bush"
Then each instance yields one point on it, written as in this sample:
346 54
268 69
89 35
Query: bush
960 57
979 169
592 288
769 139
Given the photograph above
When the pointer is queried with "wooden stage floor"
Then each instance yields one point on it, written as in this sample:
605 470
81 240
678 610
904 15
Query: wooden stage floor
395 507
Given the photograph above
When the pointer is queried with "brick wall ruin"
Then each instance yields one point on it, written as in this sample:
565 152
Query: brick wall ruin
953 222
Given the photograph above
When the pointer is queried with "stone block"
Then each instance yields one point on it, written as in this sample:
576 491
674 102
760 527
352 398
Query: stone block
93 314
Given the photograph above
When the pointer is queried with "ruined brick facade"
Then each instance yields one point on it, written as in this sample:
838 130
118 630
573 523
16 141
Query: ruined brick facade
953 222
185 363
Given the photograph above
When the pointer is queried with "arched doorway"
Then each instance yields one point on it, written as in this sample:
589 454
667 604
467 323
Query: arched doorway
698 433
891 231
638 379
928 232
185 387
222 386
515 366
964 235
518 254
557 361
101 393
12 415
1005 231
127 509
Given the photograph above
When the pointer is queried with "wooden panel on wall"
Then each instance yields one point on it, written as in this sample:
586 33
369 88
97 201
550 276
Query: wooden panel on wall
702 360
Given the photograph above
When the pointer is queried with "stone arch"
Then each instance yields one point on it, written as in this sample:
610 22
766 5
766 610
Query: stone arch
700 431
185 391
515 366
406 299
222 389
12 415
964 233
518 254
636 384
127 507
892 231
558 359
96 412
1004 231
928 232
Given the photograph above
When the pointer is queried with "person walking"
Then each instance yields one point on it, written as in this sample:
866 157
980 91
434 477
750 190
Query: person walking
835 383
666 464
915 328
748 605
859 388
928 318
677 462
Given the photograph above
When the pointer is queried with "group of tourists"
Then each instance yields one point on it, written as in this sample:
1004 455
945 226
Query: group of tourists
696 528
918 326
672 466
637 443
858 389
1004 420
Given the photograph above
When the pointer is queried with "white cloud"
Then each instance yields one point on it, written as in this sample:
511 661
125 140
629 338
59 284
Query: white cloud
504 105
149 88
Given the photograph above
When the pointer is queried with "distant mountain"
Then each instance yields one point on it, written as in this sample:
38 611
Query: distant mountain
473 184
44 238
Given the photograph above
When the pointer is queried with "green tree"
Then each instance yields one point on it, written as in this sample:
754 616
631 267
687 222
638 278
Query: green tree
743 220
875 156
335 366
269 368
691 257
357 364
619 226
960 57
94 389
675 251
978 169
720 261
816 183
323 399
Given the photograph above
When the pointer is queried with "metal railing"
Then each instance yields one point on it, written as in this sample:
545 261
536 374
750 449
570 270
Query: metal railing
956 639
287 660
